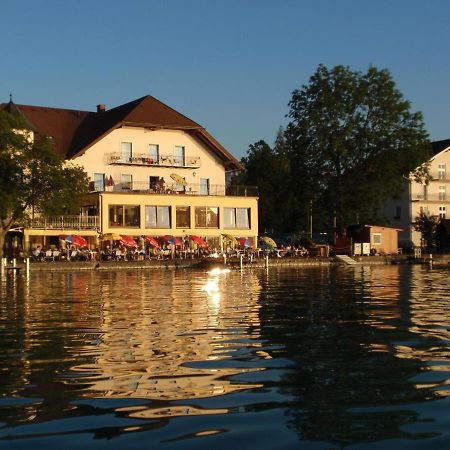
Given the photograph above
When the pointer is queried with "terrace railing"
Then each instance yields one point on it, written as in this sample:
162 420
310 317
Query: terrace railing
173 188
142 159
64 223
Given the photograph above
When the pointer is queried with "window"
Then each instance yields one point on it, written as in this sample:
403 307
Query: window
442 193
204 186
99 182
441 171
206 217
442 212
127 181
179 156
424 210
376 238
157 216
126 151
124 216
153 153
183 217
236 218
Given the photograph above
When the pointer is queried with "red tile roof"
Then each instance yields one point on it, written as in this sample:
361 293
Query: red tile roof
73 131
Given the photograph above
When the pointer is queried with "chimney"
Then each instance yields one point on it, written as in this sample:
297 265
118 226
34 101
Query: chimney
101 108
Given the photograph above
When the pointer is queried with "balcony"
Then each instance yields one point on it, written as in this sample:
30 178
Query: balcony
436 176
141 159
430 197
144 187
64 223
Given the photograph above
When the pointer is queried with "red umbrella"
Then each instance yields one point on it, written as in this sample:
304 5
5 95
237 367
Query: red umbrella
128 241
74 240
110 181
151 241
199 241
171 240
245 242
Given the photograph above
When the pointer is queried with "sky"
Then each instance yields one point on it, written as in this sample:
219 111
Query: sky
229 65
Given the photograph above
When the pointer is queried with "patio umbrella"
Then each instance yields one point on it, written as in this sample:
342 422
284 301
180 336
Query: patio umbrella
230 238
269 241
199 241
178 179
128 241
245 242
151 241
110 237
74 240
171 240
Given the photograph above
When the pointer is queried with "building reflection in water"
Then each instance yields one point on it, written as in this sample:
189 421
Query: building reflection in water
347 355
168 342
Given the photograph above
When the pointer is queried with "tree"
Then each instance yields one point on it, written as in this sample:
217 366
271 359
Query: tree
351 140
267 169
34 179
427 225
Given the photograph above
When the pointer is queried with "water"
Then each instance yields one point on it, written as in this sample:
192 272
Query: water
310 358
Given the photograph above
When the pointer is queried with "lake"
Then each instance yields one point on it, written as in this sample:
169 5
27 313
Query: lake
326 357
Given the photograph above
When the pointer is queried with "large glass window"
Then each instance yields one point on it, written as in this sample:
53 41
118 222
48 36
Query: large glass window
229 218
442 191
179 156
157 216
126 151
441 171
183 214
236 218
153 153
124 216
206 217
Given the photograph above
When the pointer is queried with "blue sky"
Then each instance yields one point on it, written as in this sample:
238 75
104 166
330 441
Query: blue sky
229 65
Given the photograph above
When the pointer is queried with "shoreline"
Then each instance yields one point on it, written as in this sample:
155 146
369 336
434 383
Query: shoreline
207 263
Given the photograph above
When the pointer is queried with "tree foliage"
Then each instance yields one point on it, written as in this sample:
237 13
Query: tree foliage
351 140
34 179
427 225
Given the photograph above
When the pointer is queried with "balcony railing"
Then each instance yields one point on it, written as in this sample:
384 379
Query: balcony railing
64 223
435 175
431 197
141 159
173 188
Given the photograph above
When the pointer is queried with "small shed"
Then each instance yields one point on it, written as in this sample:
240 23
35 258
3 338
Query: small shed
382 240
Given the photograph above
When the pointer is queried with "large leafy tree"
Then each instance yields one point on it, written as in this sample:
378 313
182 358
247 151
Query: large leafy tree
267 168
34 179
351 140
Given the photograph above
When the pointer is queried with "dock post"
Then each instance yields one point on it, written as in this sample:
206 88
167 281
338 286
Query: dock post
241 262
431 260
27 265
14 262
